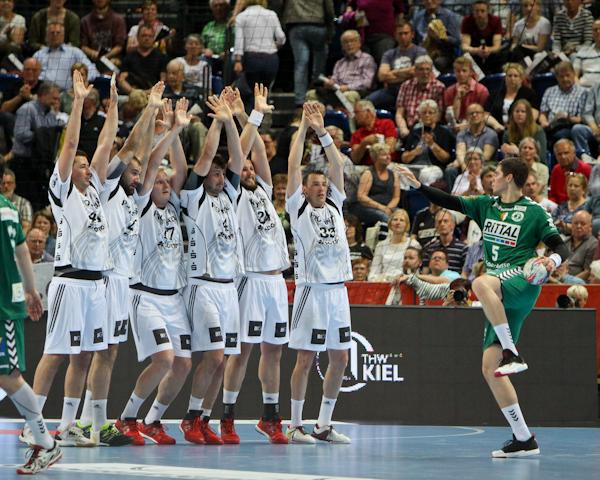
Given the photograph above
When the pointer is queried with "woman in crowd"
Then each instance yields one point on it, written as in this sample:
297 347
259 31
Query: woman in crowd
531 33
44 220
354 235
529 150
12 29
389 253
194 66
522 124
501 102
469 182
576 201
429 142
150 17
55 11
379 188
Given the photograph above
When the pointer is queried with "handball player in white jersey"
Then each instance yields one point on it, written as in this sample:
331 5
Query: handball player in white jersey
321 314
215 259
158 318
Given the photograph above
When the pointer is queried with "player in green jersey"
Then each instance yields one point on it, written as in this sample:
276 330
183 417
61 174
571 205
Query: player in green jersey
15 296
512 226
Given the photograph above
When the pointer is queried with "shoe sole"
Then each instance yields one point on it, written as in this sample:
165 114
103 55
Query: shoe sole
190 441
63 443
333 442
521 453
301 442
154 441
56 459
262 432
500 373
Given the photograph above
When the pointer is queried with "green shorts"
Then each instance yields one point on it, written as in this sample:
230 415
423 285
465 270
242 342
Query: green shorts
12 346
518 298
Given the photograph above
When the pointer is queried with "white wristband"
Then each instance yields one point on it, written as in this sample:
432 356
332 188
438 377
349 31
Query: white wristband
326 140
256 118
555 257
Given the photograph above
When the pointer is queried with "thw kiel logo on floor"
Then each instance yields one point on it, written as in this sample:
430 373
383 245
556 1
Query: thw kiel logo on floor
365 365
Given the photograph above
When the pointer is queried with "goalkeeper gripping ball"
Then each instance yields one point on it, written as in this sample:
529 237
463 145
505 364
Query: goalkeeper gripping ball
535 271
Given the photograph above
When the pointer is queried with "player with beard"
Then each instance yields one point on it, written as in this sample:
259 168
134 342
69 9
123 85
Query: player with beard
157 313
209 201
321 313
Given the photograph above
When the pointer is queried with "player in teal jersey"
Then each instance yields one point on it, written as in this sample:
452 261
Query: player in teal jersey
512 226
15 296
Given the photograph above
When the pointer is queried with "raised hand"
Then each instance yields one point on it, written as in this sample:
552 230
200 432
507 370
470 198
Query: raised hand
234 100
314 118
155 97
79 88
408 176
221 110
167 114
114 94
182 118
260 98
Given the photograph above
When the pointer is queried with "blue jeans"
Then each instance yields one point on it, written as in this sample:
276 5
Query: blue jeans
258 68
581 136
305 39
368 215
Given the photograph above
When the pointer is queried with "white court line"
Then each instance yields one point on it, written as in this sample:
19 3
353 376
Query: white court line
177 422
475 431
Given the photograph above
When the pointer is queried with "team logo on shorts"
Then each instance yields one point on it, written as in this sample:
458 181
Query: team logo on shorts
98 335
318 336
280 329
231 340
120 328
254 329
160 336
215 334
186 342
344 334
76 339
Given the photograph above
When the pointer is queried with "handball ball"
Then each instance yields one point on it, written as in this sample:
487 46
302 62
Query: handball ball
535 271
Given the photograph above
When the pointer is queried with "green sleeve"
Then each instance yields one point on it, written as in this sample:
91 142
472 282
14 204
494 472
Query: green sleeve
545 224
474 207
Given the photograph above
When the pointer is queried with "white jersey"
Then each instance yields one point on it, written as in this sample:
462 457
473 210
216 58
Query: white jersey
122 214
322 252
159 261
82 237
215 245
265 247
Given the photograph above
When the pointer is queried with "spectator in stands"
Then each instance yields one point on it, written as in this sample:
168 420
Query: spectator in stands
477 134
594 199
423 229
586 135
582 245
487 179
576 202
481 37
279 188
594 277
276 164
145 66
439 269
474 256
533 189
370 131
36 243
379 188
530 152
465 92
360 269
412 92
7 188
438 30
388 258
103 33
195 67
56 12
564 151
44 220
429 142
562 105
396 67
469 182
91 124
353 74
218 34
531 32
161 33
177 87
413 259
501 103
309 24
579 295
587 60
56 59
520 126
456 249
572 28
258 36
354 235
67 96
12 29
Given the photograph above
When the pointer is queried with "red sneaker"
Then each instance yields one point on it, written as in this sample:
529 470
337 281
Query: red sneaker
156 432
130 428
272 430
192 430
210 436
228 433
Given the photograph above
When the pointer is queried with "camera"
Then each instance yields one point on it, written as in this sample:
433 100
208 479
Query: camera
564 301
460 295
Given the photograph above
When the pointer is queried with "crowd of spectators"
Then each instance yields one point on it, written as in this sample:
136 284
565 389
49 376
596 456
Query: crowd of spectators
445 88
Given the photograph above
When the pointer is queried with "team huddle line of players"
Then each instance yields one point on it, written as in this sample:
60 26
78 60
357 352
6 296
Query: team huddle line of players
120 264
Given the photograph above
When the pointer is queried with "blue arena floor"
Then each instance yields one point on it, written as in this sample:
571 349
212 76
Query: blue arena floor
377 452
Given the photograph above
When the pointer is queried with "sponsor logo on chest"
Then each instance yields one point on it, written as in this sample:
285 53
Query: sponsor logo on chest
502 233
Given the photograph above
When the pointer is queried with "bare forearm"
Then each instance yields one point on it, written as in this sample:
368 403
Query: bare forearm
24 263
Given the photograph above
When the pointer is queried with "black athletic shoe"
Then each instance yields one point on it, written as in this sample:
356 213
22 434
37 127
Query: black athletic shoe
516 448
510 364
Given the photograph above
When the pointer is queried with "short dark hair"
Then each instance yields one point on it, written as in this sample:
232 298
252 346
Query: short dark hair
418 250
219 161
308 172
403 23
481 2
355 222
518 168
81 153
47 87
486 170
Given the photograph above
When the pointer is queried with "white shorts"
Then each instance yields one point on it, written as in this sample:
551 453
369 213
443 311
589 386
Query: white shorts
76 316
159 323
117 306
263 308
320 318
214 316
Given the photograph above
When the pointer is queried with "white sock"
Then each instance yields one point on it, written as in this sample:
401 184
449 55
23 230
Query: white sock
132 407
517 422
297 406
326 411
270 398
69 412
155 413
230 397
206 412
86 411
98 414
195 403
41 401
28 406
505 337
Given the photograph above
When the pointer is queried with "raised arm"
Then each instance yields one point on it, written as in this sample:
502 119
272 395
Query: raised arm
211 145
261 107
260 161
177 155
67 154
107 135
434 195
295 158
222 114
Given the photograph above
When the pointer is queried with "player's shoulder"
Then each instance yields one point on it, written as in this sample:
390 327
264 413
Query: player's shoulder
6 203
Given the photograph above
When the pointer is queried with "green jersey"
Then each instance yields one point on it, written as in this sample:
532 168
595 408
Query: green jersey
511 231
12 296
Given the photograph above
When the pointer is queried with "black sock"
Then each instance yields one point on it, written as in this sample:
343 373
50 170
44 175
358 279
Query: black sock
192 414
271 411
228 411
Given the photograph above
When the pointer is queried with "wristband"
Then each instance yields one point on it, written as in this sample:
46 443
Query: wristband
325 140
555 257
256 118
